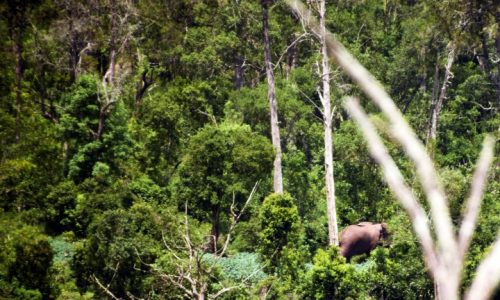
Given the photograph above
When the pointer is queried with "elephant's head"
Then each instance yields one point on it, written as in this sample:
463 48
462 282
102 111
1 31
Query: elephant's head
384 240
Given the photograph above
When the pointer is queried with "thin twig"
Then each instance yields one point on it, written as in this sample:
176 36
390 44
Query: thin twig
296 41
106 290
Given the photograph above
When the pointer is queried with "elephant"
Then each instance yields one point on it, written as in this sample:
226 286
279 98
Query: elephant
362 238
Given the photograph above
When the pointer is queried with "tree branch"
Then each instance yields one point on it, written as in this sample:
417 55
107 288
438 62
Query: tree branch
397 183
476 194
487 275
106 289
296 41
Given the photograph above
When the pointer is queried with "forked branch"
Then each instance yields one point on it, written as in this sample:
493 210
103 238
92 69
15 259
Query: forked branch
446 262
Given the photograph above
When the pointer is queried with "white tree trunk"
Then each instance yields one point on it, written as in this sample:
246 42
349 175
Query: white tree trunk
333 235
273 106
438 105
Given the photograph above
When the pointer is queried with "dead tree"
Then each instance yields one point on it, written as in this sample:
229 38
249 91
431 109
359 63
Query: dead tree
111 81
444 255
327 112
437 102
193 271
273 105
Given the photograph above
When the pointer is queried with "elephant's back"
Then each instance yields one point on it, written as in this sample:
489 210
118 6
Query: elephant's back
355 240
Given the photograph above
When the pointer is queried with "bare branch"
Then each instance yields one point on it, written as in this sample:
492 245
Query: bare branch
313 103
438 105
167 246
476 194
78 67
487 275
396 182
210 116
296 41
236 218
177 283
104 288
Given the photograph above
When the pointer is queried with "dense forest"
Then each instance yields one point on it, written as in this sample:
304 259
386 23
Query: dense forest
171 149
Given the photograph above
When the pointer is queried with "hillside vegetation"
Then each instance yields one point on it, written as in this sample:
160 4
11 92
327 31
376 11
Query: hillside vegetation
138 157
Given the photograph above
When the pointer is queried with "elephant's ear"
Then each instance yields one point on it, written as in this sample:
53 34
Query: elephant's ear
384 228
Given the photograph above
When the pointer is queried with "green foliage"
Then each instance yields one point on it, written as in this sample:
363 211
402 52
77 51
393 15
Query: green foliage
189 123
16 184
331 278
465 119
147 190
91 153
25 259
120 246
63 199
241 267
92 199
361 193
280 235
398 272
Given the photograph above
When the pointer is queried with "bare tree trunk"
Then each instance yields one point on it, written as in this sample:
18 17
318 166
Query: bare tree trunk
142 87
434 98
110 97
436 110
238 72
215 231
273 106
333 234
112 45
497 45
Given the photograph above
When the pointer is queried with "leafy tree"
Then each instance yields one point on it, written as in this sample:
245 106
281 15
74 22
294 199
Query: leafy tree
25 260
362 195
89 152
280 234
221 164
331 278
397 272
120 246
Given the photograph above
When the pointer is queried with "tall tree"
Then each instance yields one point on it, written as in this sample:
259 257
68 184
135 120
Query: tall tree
273 105
324 95
333 233
221 164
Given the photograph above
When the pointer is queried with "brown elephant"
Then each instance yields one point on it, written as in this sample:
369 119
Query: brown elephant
362 238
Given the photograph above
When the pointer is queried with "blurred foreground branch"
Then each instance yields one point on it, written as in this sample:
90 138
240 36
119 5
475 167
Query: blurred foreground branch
445 261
